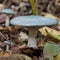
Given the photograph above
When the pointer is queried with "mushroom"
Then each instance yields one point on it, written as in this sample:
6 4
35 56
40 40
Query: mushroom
8 13
33 23
7 44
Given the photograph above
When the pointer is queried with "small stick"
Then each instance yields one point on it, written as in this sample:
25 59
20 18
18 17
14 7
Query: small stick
2 35
7 21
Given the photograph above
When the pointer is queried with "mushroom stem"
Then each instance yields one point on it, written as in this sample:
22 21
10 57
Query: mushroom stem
1 7
32 42
7 21
7 47
7 44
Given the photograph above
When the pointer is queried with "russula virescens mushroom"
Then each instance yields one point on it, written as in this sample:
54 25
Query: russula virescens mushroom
8 13
33 23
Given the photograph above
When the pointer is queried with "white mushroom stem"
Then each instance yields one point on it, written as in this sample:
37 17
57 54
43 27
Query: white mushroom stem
7 21
32 42
7 47
1 7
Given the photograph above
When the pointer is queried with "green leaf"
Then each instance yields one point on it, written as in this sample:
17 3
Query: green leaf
50 50
57 37
33 6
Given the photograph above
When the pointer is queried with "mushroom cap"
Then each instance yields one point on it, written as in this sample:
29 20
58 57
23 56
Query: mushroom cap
8 11
7 42
33 21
